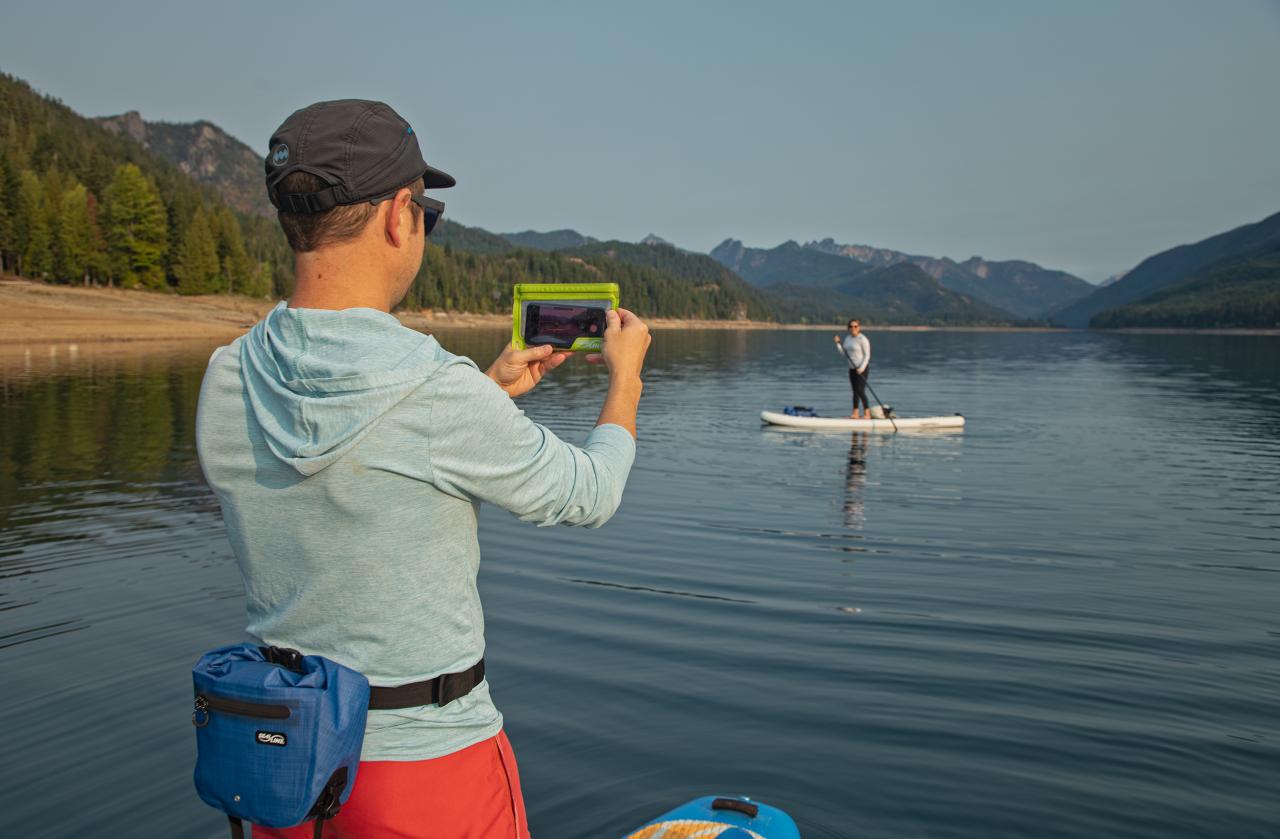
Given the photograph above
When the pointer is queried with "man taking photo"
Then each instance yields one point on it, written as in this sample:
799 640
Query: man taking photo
350 454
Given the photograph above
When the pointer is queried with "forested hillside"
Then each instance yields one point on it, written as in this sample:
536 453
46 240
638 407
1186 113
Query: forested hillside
1241 292
705 277
554 240
81 205
899 294
84 204
459 280
1169 268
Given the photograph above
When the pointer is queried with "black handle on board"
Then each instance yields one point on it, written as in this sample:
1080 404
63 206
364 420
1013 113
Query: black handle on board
746 808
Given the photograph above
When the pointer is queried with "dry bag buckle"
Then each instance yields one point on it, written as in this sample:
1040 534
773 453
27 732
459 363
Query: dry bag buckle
287 658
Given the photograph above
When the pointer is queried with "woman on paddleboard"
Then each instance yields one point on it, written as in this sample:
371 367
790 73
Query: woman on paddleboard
857 351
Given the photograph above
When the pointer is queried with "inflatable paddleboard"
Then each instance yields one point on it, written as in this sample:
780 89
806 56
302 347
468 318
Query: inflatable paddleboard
720 817
846 424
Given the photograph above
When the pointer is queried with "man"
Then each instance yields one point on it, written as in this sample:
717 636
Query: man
857 351
350 454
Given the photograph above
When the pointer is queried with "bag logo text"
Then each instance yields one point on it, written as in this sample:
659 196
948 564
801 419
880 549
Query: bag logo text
272 738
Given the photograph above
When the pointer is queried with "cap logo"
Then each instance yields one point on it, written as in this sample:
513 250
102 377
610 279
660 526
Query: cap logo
280 155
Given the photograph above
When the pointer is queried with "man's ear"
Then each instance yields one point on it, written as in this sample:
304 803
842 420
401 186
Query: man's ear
398 223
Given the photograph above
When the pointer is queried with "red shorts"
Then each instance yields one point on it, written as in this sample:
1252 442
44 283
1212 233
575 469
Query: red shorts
470 794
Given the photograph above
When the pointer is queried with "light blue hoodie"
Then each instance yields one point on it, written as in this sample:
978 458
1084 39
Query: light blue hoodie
350 455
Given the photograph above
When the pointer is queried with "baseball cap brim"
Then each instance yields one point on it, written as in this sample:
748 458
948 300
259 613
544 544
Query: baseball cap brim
435 179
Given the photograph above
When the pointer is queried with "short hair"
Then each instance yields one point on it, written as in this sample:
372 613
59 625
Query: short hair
311 231
852 321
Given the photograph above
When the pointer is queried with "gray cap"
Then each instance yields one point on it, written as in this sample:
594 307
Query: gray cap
361 149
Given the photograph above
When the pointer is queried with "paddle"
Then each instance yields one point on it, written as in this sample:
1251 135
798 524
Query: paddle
874 395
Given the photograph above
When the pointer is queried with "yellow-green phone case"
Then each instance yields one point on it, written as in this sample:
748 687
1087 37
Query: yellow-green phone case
565 293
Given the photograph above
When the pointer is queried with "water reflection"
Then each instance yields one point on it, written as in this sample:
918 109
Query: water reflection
855 479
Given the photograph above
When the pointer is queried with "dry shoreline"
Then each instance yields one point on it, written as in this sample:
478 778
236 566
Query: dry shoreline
37 313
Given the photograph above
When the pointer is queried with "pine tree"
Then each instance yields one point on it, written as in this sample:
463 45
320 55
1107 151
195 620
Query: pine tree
197 266
35 244
260 281
237 268
6 220
136 229
79 244
98 265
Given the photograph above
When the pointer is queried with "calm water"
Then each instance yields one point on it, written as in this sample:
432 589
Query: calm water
1064 621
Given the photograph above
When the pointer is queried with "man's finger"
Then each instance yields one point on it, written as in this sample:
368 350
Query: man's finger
594 358
532 354
554 361
612 320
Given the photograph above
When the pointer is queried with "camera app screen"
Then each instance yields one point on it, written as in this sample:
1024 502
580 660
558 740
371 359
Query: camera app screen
560 325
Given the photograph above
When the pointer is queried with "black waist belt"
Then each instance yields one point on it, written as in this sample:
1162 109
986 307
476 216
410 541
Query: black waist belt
441 690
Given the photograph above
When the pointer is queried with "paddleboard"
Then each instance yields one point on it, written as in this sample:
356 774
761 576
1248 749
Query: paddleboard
846 424
720 817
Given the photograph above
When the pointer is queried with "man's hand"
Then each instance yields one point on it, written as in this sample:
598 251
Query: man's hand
626 340
517 371
835 338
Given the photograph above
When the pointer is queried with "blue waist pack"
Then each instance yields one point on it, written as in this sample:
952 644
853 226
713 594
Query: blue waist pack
278 734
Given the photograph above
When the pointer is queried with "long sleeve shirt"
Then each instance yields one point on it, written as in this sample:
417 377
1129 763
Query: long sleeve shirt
858 350
350 456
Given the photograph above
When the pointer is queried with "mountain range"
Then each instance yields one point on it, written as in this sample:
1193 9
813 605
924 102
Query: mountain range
1226 279
1021 288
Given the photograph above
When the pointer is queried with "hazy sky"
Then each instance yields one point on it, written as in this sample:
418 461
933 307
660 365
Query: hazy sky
1081 135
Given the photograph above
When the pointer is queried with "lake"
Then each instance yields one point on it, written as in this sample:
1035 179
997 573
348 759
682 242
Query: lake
1063 621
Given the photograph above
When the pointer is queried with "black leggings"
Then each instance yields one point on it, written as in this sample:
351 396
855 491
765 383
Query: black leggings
859 384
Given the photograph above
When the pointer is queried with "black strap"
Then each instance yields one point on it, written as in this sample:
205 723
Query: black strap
440 691
329 802
306 203
237 827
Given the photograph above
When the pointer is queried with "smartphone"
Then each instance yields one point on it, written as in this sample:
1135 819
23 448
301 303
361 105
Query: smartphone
561 324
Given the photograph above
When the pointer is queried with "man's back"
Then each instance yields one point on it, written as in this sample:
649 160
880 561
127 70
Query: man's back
352 510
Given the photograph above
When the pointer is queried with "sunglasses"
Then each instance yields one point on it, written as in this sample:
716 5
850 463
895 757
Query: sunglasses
432 209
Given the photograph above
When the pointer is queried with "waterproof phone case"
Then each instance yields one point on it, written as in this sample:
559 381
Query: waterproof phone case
568 316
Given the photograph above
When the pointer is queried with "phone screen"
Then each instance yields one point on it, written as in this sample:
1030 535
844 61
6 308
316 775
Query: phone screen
561 325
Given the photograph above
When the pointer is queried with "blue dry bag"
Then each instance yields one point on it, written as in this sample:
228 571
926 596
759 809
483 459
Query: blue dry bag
278 734
799 411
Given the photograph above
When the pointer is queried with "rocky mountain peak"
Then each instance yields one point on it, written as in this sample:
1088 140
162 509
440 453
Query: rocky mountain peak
205 152
128 124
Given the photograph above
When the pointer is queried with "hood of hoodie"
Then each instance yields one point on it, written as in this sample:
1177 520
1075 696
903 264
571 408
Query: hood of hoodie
318 380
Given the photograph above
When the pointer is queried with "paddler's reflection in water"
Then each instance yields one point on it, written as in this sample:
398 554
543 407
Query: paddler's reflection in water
855 477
